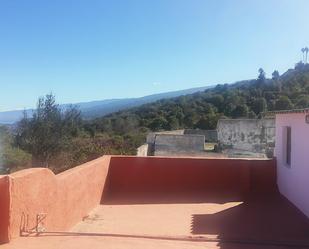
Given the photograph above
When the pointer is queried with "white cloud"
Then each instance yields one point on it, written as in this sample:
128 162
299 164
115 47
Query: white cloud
156 83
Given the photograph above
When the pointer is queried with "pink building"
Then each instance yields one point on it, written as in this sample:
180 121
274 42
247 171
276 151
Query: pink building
292 153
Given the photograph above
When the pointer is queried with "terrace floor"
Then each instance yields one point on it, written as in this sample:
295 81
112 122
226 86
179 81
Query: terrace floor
258 222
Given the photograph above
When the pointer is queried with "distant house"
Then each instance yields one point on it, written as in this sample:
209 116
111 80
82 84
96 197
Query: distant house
186 142
292 153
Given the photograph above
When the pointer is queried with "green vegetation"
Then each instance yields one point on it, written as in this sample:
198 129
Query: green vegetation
245 99
11 157
59 139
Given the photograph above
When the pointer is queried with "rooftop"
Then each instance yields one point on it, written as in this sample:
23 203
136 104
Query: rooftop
151 202
302 110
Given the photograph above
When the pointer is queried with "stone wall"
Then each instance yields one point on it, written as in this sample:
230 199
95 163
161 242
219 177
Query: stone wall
255 135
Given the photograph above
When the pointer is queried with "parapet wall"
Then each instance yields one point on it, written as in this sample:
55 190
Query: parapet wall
68 197
64 199
138 175
4 208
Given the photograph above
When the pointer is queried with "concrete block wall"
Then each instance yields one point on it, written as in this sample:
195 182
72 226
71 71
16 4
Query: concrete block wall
166 145
211 136
255 135
143 150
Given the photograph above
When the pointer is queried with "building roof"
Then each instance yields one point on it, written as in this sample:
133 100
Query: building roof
302 110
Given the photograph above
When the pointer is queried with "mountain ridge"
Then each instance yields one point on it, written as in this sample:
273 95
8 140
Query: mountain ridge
99 108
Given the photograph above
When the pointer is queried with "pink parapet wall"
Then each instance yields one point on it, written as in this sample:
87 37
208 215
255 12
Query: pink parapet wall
163 175
64 199
4 208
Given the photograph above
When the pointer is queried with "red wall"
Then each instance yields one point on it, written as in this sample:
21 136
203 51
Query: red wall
190 175
4 208
68 197
65 198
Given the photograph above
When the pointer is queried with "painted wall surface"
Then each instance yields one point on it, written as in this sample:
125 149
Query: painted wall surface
68 197
293 181
254 135
4 208
191 175
65 198
167 145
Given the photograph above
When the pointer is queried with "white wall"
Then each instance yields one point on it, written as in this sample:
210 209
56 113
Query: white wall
253 135
169 145
293 182
142 150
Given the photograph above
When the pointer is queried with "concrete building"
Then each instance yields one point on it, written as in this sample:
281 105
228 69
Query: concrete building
252 135
292 154
177 142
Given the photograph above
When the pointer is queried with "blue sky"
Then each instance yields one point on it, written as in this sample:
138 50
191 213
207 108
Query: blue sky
91 50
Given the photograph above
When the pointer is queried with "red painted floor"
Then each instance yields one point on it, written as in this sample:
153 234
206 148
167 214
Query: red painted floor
258 222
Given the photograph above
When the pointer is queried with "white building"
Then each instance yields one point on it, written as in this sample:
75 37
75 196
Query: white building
292 153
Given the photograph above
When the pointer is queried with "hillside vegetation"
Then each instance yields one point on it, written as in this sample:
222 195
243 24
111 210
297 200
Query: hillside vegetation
60 139
99 108
245 99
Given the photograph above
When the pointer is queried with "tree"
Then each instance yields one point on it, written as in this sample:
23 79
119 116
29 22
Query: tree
159 123
276 79
302 101
11 157
48 131
208 122
240 111
275 75
303 51
218 101
305 54
259 105
283 103
299 65
173 122
262 76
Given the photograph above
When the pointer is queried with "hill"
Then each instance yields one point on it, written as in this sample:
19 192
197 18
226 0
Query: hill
244 99
123 131
100 108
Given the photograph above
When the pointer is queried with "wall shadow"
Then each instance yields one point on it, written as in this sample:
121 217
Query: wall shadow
152 180
263 220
